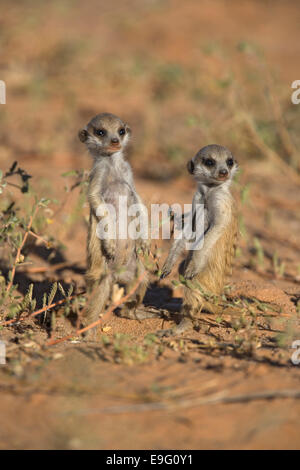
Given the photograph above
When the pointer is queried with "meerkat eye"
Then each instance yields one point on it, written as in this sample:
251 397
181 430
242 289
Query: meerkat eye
100 132
122 131
209 162
230 162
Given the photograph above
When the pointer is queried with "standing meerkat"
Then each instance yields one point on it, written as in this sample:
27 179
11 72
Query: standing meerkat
114 260
213 167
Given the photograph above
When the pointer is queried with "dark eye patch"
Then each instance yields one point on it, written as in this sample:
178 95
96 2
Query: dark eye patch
100 132
230 162
209 162
122 131
190 167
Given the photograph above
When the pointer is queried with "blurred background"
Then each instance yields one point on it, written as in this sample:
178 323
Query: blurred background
183 74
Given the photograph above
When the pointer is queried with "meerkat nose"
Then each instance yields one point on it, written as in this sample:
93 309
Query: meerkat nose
114 140
223 172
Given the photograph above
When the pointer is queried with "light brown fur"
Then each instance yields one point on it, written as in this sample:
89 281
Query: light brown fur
212 278
110 261
205 270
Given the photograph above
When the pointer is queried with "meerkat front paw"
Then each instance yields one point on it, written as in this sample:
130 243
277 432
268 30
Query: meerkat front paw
109 248
165 271
191 270
144 246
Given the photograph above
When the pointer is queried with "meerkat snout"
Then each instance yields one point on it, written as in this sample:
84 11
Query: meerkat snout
115 141
223 173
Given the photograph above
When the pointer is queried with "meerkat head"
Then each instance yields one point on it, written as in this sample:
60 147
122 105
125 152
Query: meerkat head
213 165
105 135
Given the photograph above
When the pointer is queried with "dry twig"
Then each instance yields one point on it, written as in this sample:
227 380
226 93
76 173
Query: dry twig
9 285
105 316
217 398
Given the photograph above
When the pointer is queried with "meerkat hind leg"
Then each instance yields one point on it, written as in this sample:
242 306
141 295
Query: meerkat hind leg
97 301
135 313
131 309
184 325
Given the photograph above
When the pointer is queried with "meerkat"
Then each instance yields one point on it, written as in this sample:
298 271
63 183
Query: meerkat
111 262
213 168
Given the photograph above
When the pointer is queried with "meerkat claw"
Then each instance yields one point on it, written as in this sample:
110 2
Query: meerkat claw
164 274
185 324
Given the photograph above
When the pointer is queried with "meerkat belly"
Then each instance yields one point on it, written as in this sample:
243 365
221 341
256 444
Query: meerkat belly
219 260
119 196
115 193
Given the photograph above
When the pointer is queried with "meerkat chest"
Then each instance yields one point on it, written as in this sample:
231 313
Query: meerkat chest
218 207
117 183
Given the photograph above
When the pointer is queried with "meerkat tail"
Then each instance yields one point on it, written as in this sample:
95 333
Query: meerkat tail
98 299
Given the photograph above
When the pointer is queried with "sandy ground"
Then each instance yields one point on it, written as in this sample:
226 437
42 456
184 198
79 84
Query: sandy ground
131 390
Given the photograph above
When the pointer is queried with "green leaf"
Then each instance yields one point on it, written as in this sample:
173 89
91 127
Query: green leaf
62 289
70 291
52 293
69 173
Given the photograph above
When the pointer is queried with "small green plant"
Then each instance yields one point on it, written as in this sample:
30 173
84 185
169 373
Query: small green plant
245 194
242 226
24 221
167 79
125 351
278 266
260 255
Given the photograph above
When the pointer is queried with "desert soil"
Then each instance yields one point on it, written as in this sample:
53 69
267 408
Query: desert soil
134 391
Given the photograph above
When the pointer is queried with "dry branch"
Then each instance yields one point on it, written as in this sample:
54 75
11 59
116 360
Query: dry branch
105 316
9 285
52 267
215 399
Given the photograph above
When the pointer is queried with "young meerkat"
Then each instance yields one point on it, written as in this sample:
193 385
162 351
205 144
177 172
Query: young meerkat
213 167
111 261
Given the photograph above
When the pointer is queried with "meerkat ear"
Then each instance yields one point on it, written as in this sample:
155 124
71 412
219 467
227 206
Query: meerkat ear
83 135
190 167
128 129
